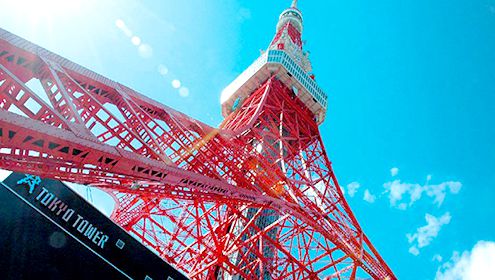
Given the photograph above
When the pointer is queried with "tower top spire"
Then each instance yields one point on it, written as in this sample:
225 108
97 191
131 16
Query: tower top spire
292 15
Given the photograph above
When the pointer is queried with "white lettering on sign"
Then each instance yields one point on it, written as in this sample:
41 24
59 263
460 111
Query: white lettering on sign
61 209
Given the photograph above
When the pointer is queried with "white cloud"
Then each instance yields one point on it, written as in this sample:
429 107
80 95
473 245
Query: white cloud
402 206
437 258
425 234
475 265
455 187
394 171
352 188
368 197
398 191
414 250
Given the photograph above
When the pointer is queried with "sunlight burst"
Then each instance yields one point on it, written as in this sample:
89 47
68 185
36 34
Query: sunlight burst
45 10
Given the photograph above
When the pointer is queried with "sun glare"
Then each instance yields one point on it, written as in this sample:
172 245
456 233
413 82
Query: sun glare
37 10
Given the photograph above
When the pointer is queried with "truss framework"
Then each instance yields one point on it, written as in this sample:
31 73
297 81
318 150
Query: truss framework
255 198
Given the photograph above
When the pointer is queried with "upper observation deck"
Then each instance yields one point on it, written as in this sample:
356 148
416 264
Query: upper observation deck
280 64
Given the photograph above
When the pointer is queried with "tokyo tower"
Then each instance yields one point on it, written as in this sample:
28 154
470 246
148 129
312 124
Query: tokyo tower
255 198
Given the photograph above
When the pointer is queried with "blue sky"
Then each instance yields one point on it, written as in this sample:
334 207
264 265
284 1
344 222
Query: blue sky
411 86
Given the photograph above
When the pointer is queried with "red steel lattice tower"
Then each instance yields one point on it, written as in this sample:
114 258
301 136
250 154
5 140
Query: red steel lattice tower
255 198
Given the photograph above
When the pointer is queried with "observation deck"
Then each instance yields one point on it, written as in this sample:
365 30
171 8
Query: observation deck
285 69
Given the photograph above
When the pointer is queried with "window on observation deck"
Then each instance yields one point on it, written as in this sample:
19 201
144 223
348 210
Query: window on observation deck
279 56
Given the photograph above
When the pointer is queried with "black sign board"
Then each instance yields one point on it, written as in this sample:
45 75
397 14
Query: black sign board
47 231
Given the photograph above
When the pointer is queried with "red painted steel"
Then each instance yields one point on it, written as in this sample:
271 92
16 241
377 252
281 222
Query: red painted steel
196 195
